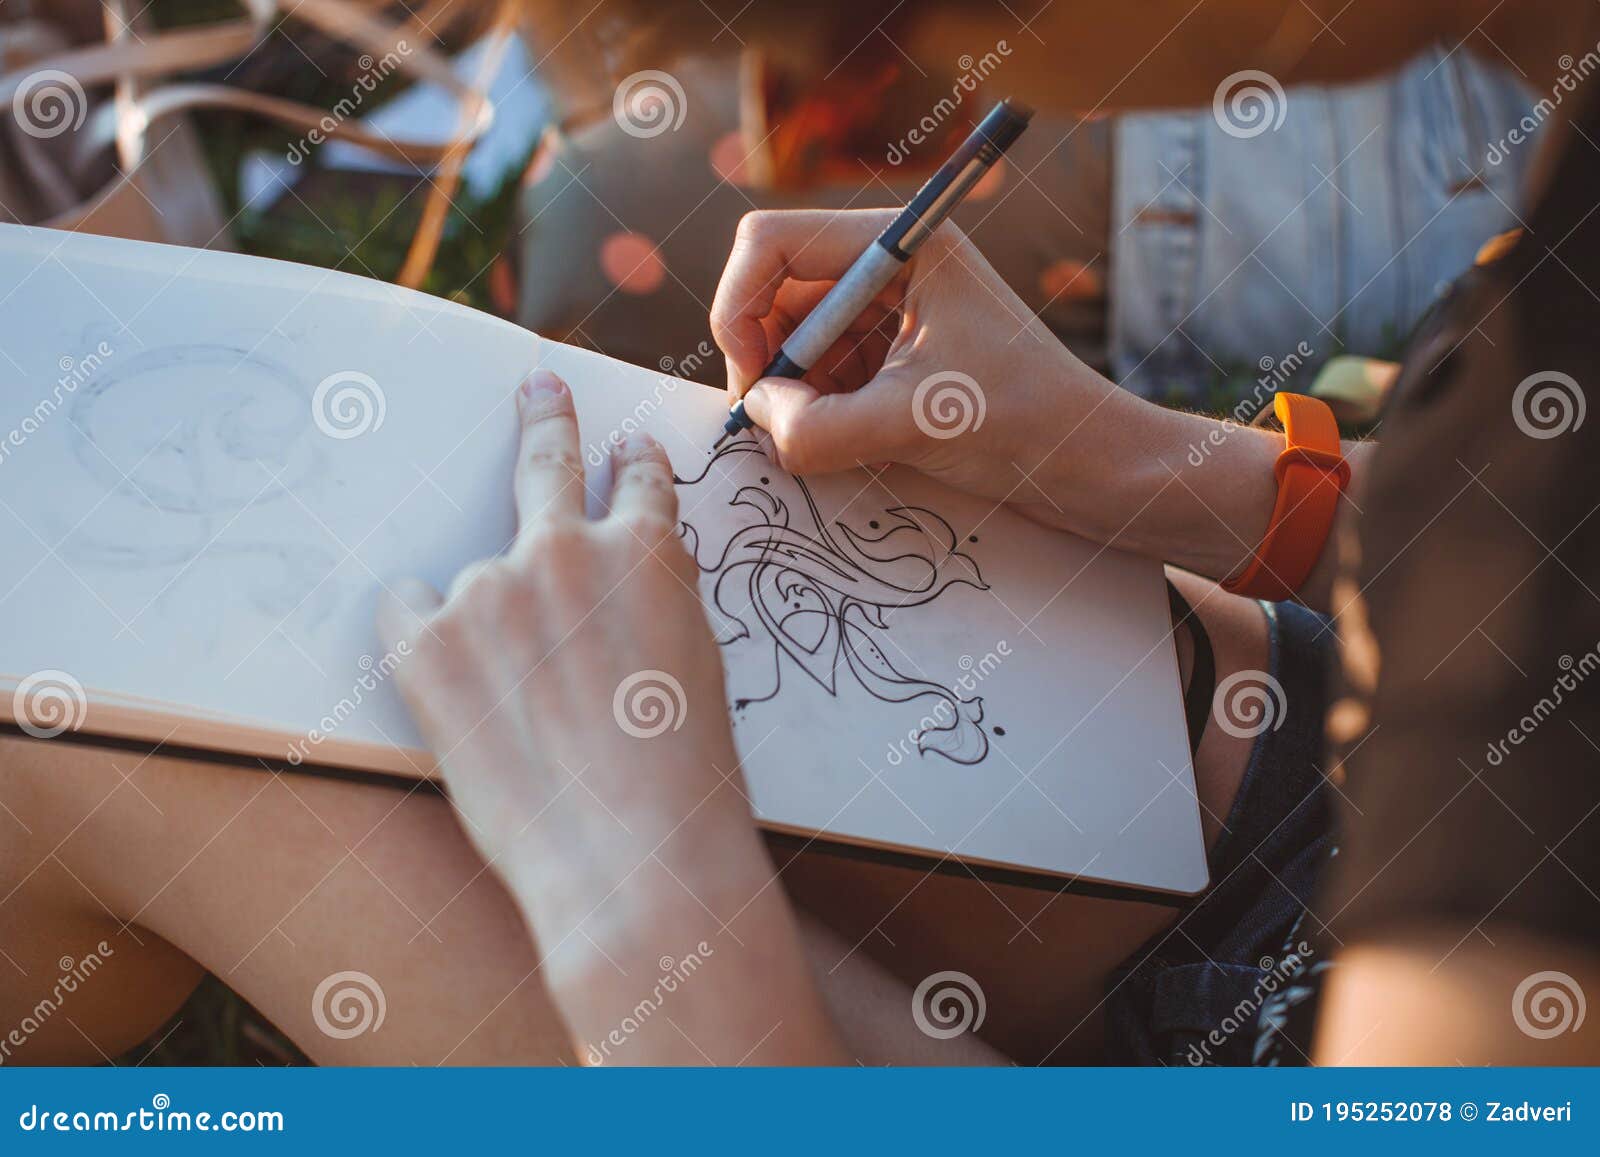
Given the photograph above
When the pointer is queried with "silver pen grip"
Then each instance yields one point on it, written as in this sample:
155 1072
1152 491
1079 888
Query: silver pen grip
847 300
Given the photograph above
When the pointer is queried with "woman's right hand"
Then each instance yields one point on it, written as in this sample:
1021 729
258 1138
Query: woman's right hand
949 371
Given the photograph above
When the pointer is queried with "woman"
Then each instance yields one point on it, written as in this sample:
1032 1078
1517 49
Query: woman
1463 556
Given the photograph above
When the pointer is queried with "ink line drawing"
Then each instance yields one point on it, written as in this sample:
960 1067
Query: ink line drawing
822 595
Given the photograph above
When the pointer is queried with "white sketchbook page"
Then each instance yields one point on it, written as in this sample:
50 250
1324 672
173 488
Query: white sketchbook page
181 528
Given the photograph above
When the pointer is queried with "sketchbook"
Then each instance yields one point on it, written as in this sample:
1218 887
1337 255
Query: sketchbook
211 464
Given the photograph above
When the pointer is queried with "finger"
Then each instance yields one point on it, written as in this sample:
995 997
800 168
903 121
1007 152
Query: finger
797 299
465 576
404 611
770 247
840 367
549 475
854 359
643 493
794 300
817 433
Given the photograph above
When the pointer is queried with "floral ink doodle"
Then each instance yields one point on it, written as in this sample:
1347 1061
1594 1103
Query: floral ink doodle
821 595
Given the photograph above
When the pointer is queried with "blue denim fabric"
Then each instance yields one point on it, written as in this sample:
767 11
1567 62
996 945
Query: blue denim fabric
1194 994
1338 228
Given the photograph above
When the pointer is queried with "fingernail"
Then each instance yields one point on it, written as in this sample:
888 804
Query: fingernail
635 444
543 382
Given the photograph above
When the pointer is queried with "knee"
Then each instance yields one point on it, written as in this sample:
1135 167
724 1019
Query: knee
81 986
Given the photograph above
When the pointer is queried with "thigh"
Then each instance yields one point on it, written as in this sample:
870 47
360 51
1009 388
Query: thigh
321 902
306 896
1039 959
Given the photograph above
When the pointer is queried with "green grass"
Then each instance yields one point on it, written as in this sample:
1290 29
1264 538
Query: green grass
354 222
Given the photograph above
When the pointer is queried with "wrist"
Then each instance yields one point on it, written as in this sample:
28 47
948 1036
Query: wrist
677 990
619 940
1183 488
613 870
718 941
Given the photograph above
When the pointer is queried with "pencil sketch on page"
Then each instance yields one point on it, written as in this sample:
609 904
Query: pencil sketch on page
198 436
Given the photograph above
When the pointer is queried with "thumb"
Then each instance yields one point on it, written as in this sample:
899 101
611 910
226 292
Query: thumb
821 433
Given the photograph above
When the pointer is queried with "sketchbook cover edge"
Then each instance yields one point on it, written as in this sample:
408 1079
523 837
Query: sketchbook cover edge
114 716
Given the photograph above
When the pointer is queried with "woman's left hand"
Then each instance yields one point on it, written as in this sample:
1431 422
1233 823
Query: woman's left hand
573 697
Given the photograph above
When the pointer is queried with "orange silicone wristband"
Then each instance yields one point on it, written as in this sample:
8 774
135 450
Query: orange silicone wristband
1312 474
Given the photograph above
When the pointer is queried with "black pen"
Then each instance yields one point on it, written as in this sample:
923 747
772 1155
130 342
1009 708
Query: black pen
882 260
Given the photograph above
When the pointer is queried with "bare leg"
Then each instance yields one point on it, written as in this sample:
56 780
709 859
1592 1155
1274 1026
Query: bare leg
163 869
276 883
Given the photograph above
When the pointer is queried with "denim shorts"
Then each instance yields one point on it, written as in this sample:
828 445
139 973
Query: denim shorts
1358 205
1193 994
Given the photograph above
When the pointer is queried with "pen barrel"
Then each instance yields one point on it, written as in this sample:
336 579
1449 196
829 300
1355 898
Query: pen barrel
918 225
946 189
847 300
